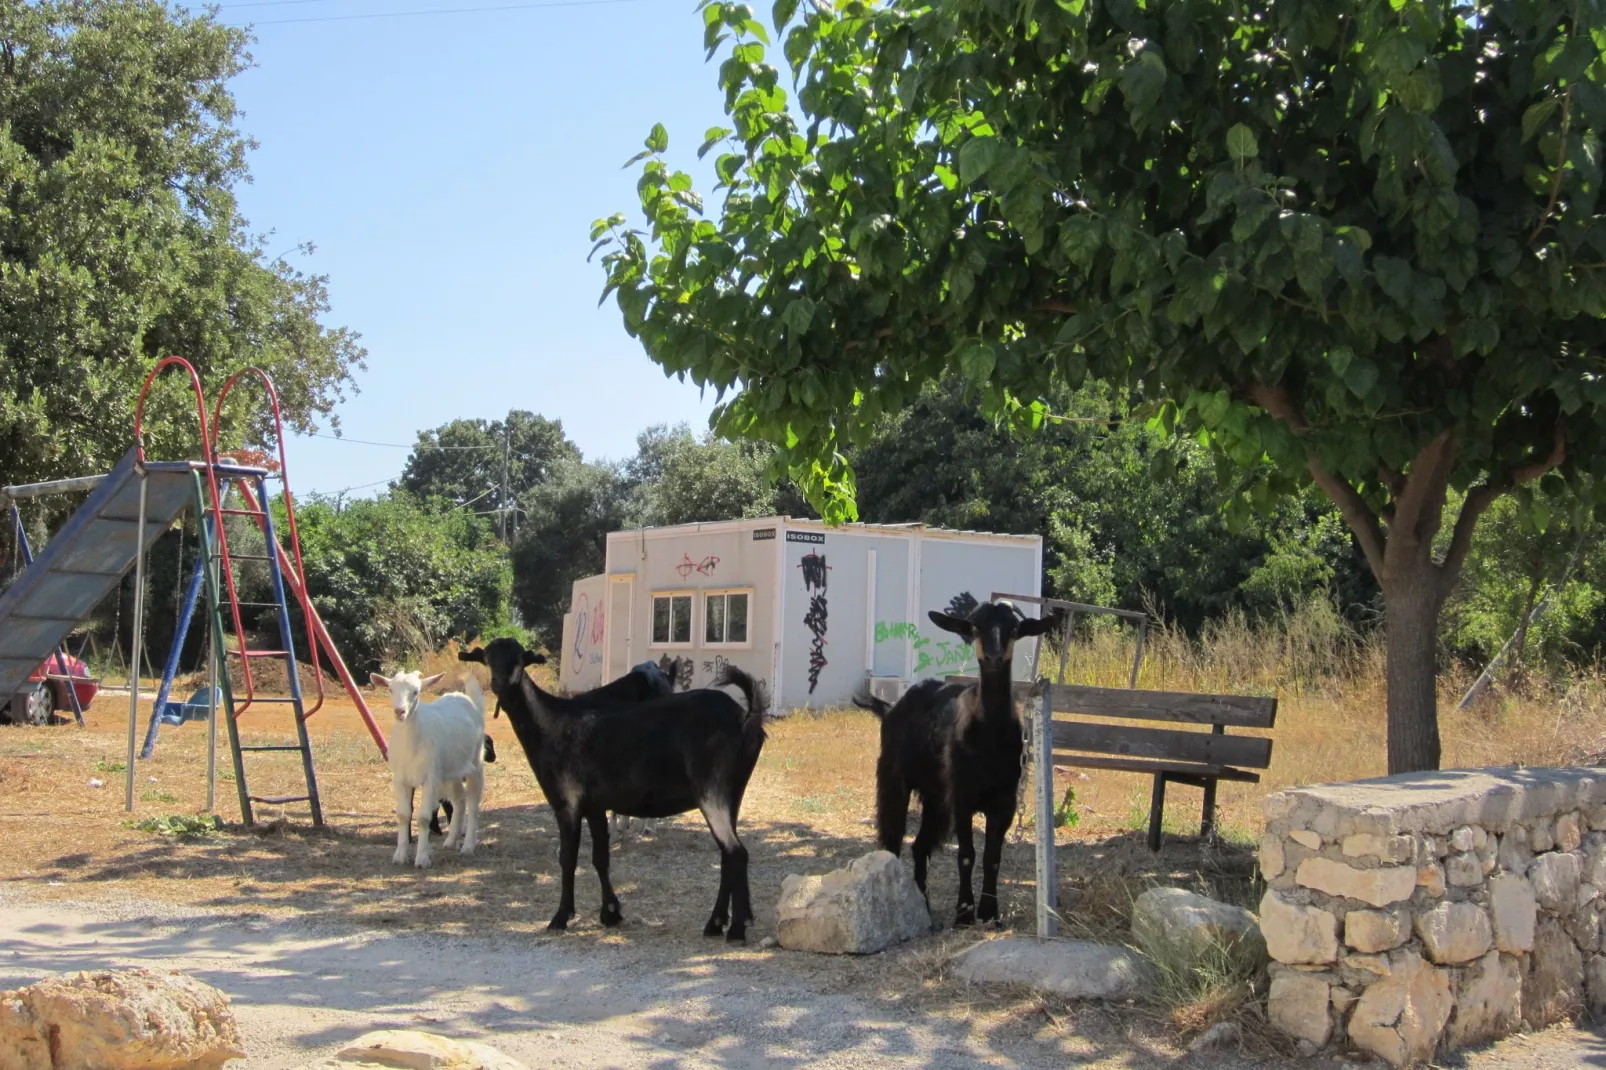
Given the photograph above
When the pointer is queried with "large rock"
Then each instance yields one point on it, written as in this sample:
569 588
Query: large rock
1070 969
135 1019
1555 879
1298 934
1401 1017
409 1049
1297 1005
1372 931
870 905
1454 933
1177 925
1377 887
1553 983
1488 1001
1512 902
1595 983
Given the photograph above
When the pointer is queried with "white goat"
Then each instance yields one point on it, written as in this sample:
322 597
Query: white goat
437 746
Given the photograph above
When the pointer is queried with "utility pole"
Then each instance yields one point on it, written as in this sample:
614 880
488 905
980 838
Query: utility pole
507 441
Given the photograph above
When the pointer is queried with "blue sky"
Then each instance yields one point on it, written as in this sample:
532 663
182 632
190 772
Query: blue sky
448 168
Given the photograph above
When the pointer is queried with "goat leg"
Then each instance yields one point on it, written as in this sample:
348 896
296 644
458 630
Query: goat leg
568 856
611 913
966 912
891 808
933 827
473 792
456 813
404 823
732 905
721 915
992 853
432 792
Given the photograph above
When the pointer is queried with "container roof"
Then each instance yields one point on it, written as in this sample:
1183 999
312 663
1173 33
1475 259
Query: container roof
819 525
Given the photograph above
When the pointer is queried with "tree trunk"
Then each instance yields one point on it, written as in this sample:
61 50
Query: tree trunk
1535 583
1412 604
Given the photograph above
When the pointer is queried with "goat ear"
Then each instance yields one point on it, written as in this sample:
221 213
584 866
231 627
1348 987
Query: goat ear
477 654
378 681
1035 625
958 625
431 681
532 658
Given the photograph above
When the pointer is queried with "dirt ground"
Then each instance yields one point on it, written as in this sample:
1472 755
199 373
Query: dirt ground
319 937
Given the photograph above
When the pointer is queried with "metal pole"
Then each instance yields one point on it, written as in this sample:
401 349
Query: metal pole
1137 656
138 639
211 719
507 443
1043 774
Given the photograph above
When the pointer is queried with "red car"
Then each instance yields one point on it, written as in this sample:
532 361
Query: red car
46 691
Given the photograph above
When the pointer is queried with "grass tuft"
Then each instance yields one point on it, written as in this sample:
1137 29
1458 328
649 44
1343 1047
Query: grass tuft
179 826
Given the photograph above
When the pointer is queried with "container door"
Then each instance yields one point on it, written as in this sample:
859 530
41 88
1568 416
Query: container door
620 591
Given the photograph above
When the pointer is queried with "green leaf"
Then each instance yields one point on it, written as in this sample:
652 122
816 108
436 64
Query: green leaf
658 140
1535 117
1360 377
783 12
1393 278
977 360
798 315
1241 143
978 156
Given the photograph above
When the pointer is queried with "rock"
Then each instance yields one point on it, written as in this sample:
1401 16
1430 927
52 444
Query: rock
1430 878
1488 1001
1297 934
1463 870
1541 837
768 942
1219 1036
1385 848
1343 999
410 1049
1379 887
1070 969
1377 965
1298 1006
1172 923
1453 933
1375 930
1568 834
1555 879
1513 855
1401 1017
1462 839
1272 859
1553 978
1306 838
117 1020
1512 903
869 906
1595 983
1597 818
1595 865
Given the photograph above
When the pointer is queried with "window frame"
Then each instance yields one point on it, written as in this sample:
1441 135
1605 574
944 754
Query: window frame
678 592
726 592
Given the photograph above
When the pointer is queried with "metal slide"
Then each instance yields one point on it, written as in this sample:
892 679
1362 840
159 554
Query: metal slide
89 555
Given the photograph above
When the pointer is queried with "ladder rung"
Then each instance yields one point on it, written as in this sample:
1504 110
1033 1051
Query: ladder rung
287 746
249 557
262 653
257 605
279 800
257 701
242 512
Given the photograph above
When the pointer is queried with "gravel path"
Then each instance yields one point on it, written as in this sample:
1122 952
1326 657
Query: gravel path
300 991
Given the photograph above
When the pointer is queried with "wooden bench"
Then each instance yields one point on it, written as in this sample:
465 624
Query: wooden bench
1197 759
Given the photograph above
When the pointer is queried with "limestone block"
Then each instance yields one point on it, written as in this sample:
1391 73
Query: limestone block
1462 839
1173 922
870 905
1378 887
1553 977
1430 878
1463 870
1401 1017
1377 965
1594 870
1584 928
410 1049
1297 934
1555 879
1488 1001
1514 855
1343 999
1376 930
1512 904
1272 862
1453 933
138 1019
1383 848
1597 818
1298 1006
1541 835
1568 833
1306 838
1070 969
1595 983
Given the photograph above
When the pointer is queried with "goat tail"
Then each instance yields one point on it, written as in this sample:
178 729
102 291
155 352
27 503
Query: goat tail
471 688
866 701
753 691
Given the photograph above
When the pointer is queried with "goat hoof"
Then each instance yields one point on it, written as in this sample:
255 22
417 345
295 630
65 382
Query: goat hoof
612 915
737 935
715 927
400 857
964 917
558 924
423 861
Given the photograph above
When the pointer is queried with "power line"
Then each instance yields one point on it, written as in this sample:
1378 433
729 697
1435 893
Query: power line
441 11
399 445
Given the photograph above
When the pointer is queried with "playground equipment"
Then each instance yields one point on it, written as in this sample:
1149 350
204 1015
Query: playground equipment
112 531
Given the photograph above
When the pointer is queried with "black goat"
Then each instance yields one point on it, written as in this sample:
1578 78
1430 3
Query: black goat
689 751
959 748
446 804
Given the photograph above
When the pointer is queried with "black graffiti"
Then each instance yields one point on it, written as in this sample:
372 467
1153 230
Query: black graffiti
814 578
962 604
678 671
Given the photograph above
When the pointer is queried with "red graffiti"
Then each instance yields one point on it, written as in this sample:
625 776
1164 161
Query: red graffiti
705 567
597 626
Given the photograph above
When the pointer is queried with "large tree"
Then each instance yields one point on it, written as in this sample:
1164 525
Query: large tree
1357 238
475 461
120 239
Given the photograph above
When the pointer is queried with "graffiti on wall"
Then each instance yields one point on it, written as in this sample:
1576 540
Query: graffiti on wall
705 567
589 627
932 656
814 576
678 671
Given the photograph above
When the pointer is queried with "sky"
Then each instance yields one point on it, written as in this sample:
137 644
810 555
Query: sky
447 168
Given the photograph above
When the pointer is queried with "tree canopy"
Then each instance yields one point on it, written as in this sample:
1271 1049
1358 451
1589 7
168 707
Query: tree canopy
1355 242
467 461
121 241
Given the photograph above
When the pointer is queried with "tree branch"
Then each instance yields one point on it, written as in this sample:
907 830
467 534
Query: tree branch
1479 498
1416 509
1360 517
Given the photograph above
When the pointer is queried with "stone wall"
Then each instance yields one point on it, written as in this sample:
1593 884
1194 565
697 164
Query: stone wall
1412 914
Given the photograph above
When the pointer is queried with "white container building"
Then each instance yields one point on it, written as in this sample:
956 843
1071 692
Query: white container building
809 609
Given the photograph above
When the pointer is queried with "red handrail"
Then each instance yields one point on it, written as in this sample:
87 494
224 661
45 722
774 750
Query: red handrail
290 512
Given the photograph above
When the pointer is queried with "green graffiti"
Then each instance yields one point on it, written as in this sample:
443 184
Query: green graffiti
894 629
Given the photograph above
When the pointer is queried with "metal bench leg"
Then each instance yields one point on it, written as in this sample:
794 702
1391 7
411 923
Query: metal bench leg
1156 811
1207 824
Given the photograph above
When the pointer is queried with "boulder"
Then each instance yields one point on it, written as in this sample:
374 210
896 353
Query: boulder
117 1020
1298 934
1453 933
869 906
1401 1017
1555 878
1372 931
1176 924
1488 1001
410 1049
1070 969
1297 1005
